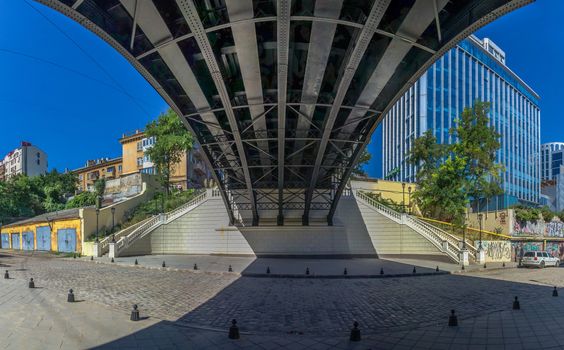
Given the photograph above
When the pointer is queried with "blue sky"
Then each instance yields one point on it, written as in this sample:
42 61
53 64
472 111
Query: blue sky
65 90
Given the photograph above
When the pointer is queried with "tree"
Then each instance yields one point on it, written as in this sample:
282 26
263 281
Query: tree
364 159
426 154
450 176
172 141
477 144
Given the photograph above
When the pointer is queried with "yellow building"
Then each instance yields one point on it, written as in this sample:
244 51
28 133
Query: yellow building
189 172
96 169
59 231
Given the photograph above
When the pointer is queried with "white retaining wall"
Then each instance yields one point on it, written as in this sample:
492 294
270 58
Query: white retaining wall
358 231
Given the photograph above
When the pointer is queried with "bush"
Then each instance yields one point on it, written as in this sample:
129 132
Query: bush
154 206
83 199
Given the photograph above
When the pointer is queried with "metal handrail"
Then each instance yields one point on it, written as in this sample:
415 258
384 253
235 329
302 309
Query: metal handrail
432 233
157 220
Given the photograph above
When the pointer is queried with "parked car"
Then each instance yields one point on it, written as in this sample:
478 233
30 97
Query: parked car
539 259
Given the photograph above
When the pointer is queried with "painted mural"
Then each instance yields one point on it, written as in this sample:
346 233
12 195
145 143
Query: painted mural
553 248
496 251
554 228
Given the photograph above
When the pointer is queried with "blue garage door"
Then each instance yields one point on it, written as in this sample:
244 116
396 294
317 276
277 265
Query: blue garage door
66 240
43 238
5 241
27 240
16 241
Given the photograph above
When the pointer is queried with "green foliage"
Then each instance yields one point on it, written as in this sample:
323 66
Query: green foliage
23 196
99 187
154 206
363 160
450 175
524 213
83 199
385 201
172 140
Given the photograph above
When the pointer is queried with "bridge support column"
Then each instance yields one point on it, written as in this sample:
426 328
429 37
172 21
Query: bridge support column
464 261
280 220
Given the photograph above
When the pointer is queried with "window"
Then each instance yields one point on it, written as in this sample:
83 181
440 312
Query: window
139 146
139 161
38 161
38 155
119 168
529 254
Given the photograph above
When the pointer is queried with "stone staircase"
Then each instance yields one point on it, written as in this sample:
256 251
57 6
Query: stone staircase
448 244
130 235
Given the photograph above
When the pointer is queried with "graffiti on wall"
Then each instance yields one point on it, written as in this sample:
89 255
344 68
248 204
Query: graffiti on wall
555 249
496 250
540 228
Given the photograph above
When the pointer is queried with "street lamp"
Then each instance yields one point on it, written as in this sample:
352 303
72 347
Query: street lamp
480 220
113 224
409 199
403 196
464 238
97 215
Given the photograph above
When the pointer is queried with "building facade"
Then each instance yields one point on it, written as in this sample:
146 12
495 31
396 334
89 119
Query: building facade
103 168
551 159
26 159
189 172
474 70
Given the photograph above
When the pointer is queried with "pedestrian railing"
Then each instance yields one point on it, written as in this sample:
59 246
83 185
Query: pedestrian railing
155 221
444 241
105 243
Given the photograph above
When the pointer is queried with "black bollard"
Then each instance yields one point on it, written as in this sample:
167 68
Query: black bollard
268 269
503 265
485 266
136 262
31 283
462 267
74 256
113 260
134 313
554 292
164 265
234 330
381 271
6 275
452 319
355 332
414 270
307 270
437 269
70 297
195 266
345 272
516 305
230 269
91 258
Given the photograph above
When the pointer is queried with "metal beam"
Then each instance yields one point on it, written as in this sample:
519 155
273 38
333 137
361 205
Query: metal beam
376 14
155 29
191 16
283 39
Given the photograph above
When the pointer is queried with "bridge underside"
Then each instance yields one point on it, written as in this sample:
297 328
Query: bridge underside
282 95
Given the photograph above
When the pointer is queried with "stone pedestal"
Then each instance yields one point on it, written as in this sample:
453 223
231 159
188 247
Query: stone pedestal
112 252
464 261
96 249
481 256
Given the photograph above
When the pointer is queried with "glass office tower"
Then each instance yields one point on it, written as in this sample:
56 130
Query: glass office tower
474 70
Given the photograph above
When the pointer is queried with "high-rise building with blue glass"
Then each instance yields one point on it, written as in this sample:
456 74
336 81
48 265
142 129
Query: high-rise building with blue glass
473 70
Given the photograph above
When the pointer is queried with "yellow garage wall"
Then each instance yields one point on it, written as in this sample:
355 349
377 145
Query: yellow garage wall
56 225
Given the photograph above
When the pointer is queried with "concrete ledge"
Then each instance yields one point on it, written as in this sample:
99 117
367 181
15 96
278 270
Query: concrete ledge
263 275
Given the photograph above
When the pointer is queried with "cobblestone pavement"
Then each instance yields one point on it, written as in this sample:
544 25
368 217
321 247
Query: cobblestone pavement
275 305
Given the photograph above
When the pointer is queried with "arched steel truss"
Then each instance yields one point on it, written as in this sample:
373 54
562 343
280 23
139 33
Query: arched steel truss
282 95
